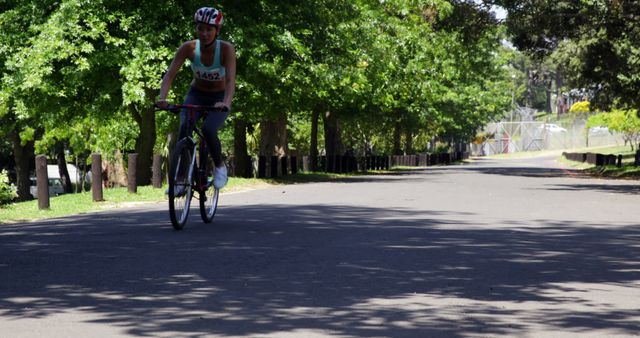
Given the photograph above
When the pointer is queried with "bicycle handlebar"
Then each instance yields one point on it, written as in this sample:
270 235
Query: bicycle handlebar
175 108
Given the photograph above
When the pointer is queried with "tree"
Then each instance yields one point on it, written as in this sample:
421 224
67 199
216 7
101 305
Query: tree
18 124
101 58
410 68
596 41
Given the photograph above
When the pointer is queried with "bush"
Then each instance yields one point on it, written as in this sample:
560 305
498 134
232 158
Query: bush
580 107
7 193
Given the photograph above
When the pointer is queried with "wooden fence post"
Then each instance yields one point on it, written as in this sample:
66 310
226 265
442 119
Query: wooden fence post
131 173
42 182
251 164
156 170
283 164
274 166
619 164
262 166
96 177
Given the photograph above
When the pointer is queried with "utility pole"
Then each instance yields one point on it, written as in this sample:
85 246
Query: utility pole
513 96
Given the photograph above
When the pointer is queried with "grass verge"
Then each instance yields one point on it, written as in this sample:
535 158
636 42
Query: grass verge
627 171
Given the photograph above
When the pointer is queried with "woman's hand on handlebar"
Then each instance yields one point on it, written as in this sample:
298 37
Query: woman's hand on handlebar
162 104
222 106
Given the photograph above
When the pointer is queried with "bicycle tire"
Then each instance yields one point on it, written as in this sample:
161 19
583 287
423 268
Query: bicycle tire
209 193
179 176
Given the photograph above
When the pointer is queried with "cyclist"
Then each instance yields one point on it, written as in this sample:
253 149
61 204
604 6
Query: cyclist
213 63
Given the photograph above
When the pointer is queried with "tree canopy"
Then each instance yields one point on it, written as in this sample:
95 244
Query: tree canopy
83 75
595 42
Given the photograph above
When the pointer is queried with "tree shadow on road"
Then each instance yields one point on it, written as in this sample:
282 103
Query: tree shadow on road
538 172
323 269
609 188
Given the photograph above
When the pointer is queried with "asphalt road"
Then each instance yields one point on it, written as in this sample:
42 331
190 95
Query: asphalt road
517 248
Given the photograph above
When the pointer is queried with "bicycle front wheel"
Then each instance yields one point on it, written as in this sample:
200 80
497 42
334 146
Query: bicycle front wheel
180 188
208 194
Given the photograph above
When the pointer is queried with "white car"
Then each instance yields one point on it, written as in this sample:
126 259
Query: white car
599 130
552 128
55 187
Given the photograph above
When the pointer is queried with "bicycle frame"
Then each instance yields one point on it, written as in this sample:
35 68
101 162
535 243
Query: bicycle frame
200 146
196 174
201 143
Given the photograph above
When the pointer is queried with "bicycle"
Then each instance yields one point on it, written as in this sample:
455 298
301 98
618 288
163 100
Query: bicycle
191 156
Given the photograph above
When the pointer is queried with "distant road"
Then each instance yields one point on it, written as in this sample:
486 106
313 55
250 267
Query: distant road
502 247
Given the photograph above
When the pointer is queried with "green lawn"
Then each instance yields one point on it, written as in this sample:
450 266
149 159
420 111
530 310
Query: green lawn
628 170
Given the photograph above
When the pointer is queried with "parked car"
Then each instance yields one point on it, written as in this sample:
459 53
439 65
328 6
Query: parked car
55 187
552 128
599 130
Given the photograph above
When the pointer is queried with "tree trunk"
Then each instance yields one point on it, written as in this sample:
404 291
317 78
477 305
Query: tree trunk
332 135
62 168
313 146
273 137
146 120
559 80
273 142
408 142
548 81
240 154
25 161
397 136
116 175
530 93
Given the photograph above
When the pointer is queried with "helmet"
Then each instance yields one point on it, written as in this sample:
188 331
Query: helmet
208 15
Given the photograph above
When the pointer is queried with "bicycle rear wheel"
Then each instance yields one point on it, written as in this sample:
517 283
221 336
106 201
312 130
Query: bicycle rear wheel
208 194
180 188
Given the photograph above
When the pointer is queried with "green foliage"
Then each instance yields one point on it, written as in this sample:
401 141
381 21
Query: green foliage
82 73
595 41
300 134
7 193
625 122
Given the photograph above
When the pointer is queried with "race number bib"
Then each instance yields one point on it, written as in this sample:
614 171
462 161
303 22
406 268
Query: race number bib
213 75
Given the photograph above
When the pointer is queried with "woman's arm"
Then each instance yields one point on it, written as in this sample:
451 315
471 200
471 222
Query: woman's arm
178 60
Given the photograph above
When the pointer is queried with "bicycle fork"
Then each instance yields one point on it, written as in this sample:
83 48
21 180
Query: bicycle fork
202 168
191 165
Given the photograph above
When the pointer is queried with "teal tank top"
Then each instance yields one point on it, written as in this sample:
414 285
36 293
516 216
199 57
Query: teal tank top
215 72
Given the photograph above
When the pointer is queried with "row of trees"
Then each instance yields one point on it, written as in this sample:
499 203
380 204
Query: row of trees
593 44
330 76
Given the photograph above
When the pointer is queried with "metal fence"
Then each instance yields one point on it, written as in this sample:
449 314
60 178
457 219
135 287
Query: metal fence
512 137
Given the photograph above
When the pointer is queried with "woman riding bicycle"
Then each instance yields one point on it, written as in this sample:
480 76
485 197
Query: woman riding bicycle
213 63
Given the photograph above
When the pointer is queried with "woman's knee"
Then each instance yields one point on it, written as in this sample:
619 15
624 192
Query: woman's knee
214 122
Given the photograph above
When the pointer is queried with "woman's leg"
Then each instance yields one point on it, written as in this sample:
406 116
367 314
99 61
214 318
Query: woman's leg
192 97
212 123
